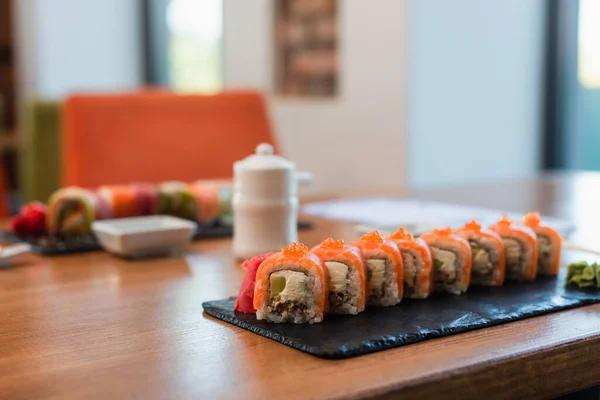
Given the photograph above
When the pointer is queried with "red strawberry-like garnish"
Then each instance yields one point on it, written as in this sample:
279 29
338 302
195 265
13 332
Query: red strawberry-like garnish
245 299
31 220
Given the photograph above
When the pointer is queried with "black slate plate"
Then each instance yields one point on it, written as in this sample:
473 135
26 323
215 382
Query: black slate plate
413 321
57 245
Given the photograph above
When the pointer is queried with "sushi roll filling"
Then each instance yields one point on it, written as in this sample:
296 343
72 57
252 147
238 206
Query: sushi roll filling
544 252
410 271
288 296
339 275
514 251
484 260
446 267
376 277
71 217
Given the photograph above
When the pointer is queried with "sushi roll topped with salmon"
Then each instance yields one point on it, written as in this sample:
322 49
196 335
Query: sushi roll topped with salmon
451 260
417 263
487 251
347 276
549 244
520 245
384 268
291 286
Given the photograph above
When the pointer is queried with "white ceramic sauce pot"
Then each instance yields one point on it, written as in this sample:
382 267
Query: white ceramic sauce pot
265 202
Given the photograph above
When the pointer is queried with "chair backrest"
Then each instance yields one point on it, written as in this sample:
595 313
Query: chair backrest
39 150
113 139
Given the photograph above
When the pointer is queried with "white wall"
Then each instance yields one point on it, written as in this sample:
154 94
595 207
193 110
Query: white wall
355 140
475 90
67 45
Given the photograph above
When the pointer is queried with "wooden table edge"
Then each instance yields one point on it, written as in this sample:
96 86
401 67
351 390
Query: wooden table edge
571 357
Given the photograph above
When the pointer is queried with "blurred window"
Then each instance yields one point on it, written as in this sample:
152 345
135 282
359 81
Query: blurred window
589 47
184 42
196 39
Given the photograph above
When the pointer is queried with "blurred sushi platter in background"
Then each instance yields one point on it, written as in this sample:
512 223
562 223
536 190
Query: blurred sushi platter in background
65 224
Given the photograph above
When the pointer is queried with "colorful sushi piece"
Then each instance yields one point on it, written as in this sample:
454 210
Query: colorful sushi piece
347 293
451 260
206 195
520 246
71 210
417 263
174 198
291 286
146 198
206 191
121 200
488 257
384 269
549 244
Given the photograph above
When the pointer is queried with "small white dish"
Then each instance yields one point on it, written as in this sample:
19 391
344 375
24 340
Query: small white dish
7 253
144 236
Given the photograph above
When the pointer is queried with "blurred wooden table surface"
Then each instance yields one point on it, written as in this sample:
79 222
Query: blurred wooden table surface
95 326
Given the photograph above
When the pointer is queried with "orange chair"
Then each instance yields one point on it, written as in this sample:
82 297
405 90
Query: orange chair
153 137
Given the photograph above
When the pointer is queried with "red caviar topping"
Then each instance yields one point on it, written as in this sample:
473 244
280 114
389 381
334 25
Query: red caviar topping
504 220
295 250
443 231
401 234
331 243
473 225
532 220
374 236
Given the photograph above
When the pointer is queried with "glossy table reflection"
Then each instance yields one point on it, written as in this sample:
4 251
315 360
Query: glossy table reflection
94 326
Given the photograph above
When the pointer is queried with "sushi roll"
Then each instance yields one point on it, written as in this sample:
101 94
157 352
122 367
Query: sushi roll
549 244
417 263
520 246
488 258
209 191
122 200
71 210
206 195
347 292
291 286
174 198
384 269
451 260
146 198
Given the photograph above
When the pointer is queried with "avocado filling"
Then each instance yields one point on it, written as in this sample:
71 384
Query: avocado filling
375 277
287 292
338 275
444 266
513 257
544 252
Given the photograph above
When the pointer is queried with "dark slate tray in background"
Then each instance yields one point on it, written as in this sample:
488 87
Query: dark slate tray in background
54 245
413 321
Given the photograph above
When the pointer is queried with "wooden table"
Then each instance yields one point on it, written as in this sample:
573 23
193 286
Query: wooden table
94 326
